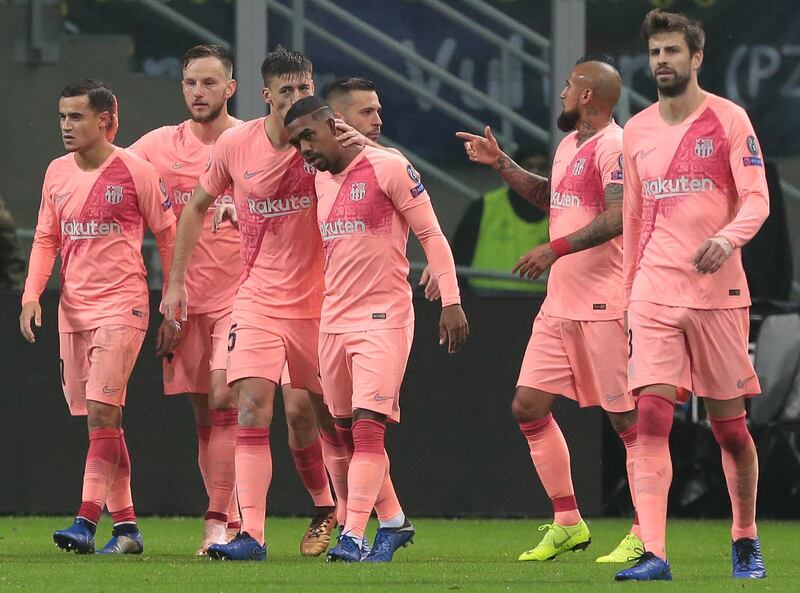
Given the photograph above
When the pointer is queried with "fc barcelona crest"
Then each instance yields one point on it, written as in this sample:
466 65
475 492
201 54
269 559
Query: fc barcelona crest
579 166
704 147
114 194
358 191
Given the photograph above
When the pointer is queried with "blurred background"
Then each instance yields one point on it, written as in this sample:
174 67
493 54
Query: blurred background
440 66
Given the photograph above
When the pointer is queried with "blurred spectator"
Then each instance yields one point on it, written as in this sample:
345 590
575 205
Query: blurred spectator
500 227
12 266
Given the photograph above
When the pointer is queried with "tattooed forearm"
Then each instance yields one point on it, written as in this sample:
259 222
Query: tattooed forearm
603 228
530 186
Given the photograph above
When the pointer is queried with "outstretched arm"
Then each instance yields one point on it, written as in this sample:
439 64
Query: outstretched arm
486 150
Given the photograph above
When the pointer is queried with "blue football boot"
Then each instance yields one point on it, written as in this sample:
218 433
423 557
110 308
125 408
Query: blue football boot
127 541
346 550
649 568
747 560
366 548
78 537
390 539
242 547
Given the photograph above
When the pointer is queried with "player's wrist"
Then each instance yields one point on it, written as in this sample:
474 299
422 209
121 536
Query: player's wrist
560 247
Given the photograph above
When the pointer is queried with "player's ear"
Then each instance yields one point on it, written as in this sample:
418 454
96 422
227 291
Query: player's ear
697 59
267 96
105 119
332 125
230 88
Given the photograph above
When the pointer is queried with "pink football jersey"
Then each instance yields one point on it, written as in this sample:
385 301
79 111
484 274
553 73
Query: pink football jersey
99 217
361 215
586 285
276 204
685 184
216 265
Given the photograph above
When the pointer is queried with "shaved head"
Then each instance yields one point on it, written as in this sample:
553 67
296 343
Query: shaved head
604 82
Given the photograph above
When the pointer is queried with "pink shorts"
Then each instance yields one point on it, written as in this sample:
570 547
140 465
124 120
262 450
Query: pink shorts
582 360
203 348
97 363
260 346
703 351
364 370
286 378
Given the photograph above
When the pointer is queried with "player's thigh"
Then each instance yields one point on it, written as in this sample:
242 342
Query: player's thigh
545 365
301 338
378 361
721 366
531 404
185 370
74 369
112 356
656 346
336 374
255 347
598 355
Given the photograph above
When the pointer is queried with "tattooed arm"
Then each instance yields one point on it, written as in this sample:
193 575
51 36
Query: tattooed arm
603 228
606 226
486 151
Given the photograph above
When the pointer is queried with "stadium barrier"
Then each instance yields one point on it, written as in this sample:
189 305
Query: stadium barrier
458 451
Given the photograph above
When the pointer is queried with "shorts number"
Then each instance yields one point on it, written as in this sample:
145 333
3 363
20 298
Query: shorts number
630 343
232 338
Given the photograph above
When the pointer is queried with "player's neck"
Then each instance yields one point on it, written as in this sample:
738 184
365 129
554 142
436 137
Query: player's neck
674 110
349 153
93 157
276 133
209 132
591 125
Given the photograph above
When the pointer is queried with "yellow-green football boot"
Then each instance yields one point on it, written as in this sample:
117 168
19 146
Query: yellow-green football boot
630 549
559 539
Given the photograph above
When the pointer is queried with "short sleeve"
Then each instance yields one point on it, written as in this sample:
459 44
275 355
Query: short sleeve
609 159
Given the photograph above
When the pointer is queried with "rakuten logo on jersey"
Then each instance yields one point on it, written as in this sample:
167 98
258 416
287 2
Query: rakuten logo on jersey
341 228
89 229
280 207
181 197
660 187
559 200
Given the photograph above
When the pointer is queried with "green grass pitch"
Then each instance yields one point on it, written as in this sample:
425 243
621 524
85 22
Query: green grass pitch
449 555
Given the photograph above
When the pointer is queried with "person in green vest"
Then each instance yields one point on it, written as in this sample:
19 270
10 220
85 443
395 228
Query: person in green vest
498 227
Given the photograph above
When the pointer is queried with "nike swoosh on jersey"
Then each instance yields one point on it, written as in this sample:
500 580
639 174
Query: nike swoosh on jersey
249 174
178 165
379 398
644 153
62 196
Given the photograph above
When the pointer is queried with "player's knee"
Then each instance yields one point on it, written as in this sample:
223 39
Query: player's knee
300 420
221 397
622 421
731 434
525 407
103 416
